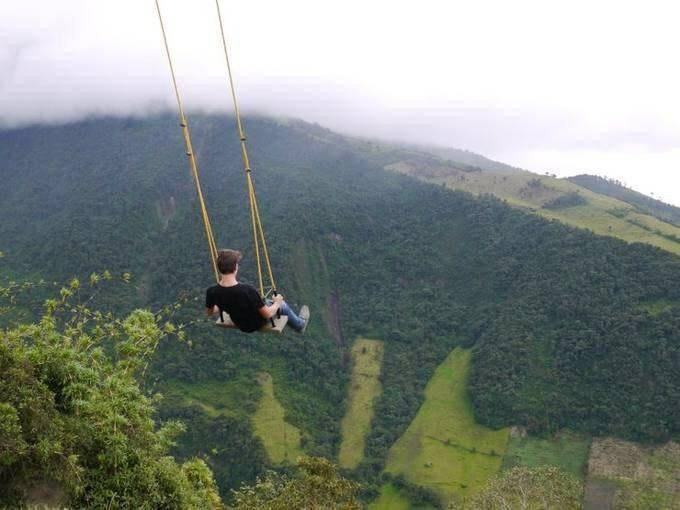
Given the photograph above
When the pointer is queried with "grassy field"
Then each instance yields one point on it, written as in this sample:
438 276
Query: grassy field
444 448
364 387
390 499
601 214
657 307
565 450
280 439
246 396
236 396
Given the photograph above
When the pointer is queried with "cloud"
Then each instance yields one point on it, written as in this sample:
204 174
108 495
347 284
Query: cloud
521 80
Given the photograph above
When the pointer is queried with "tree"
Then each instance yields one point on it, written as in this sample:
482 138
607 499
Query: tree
528 489
74 421
317 486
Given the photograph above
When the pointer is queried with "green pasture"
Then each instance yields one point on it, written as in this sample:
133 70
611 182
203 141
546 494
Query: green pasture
444 449
659 306
280 439
565 450
364 387
390 499
216 397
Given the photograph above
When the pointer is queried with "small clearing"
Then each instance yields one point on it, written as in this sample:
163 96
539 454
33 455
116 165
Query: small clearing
216 397
656 308
565 450
624 475
390 499
280 438
364 388
444 449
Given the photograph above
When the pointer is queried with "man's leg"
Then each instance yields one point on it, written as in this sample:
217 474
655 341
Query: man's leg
294 320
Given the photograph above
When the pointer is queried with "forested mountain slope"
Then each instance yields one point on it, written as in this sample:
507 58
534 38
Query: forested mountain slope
629 216
568 329
584 201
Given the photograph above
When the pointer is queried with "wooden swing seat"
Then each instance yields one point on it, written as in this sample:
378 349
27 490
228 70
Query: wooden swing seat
279 323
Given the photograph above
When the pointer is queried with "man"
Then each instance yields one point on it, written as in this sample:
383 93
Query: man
243 303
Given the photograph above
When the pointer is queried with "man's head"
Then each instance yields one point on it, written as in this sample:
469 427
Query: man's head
227 261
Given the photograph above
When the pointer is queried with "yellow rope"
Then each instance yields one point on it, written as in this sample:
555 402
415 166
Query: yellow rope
264 244
259 240
193 166
253 220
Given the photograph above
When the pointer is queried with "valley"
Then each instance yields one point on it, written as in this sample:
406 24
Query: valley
455 333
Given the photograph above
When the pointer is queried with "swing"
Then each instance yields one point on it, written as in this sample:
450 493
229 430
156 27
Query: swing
275 324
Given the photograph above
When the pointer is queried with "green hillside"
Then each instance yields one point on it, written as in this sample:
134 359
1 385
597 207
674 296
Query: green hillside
562 326
565 450
280 439
564 200
444 449
587 202
643 203
390 499
364 388
607 208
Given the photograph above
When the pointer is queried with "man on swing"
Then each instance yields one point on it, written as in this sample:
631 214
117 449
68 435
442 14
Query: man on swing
243 303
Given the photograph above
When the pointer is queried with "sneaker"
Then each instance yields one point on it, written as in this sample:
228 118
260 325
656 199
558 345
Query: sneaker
304 315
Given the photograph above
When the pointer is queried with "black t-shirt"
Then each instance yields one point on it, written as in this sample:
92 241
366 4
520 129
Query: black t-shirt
241 301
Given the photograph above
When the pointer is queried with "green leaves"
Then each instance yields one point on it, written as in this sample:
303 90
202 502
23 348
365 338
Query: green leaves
530 489
317 485
12 444
75 415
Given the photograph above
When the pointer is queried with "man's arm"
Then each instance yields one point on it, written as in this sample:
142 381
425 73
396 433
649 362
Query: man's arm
267 312
210 307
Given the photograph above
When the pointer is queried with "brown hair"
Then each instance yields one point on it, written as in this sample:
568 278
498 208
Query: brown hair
227 260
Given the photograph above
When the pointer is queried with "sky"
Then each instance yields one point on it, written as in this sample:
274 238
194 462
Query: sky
565 87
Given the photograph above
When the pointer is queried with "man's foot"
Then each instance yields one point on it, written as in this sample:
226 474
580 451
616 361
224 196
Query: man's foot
304 315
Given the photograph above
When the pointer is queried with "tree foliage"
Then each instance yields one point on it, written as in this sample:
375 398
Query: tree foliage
316 486
73 415
565 201
528 489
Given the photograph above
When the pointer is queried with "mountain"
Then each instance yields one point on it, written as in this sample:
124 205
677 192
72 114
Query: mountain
565 328
643 203
626 215
576 201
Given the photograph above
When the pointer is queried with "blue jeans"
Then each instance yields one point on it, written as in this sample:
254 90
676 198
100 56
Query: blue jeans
294 321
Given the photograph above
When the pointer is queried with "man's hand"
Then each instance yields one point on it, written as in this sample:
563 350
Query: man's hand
269 311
